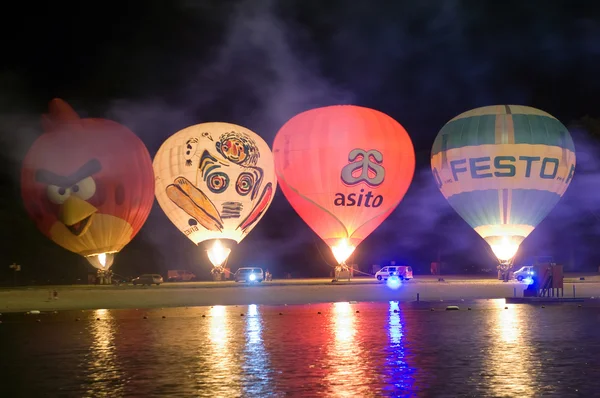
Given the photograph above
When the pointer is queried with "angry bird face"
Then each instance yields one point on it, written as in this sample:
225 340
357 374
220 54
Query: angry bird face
87 183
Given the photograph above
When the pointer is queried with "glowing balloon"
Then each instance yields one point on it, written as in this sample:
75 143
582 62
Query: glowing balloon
344 169
503 168
215 181
87 183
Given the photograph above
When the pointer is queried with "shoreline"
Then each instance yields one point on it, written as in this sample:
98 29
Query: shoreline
569 278
278 292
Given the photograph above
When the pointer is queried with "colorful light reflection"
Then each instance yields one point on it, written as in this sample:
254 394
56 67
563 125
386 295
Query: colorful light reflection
344 322
218 325
509 350
256 365
398 373
347 359
103 359
225 366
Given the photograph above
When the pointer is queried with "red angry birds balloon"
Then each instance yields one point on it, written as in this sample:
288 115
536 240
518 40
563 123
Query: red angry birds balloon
344 169
87 183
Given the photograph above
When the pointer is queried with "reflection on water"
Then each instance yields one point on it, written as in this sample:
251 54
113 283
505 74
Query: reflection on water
347 373
256 364
386 349
218 332
509 356
221 370
343 326
398 373
104 373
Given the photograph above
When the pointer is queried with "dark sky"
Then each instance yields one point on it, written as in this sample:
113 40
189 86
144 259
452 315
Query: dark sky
159 66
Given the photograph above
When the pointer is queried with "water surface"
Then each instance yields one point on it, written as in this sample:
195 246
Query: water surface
348 350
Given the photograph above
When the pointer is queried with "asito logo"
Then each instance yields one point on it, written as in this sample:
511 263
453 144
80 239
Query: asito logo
364 167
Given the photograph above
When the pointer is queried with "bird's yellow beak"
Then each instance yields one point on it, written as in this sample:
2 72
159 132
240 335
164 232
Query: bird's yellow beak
76 214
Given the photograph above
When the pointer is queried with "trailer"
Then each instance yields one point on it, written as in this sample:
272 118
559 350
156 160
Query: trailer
180 275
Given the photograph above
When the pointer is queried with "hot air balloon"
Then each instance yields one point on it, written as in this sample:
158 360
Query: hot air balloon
503 168
215 181
87 183
344 169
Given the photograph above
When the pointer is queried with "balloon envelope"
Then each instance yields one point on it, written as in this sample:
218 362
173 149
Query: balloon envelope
214 181
503 168
87 183
344 169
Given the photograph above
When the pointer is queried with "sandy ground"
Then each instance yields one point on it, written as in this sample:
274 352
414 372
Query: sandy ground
294 291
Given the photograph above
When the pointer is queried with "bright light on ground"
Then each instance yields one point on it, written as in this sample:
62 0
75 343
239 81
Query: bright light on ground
393 282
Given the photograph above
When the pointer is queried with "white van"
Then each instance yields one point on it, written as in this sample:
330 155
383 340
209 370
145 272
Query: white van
404 272
523 272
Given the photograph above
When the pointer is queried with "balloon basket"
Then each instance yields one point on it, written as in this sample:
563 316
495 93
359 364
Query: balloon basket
504 272
104 277
218 274
343 271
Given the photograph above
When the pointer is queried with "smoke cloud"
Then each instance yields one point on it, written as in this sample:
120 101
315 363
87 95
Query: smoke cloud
258 80
259 62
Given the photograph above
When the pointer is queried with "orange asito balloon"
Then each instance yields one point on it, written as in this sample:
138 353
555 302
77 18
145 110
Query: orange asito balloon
344 169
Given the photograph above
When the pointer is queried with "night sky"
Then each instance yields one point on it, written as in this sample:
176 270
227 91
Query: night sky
160 66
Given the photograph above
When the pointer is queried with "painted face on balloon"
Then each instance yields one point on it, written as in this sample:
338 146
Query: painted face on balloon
226 177
87 182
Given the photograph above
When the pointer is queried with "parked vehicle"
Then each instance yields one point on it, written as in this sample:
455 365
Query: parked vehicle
527 266
180 275
148 279
249 274
404 272
523 273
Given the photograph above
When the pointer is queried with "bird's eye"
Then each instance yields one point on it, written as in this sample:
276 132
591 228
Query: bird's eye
84 189
57 195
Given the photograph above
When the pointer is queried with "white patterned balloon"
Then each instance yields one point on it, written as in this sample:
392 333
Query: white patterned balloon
214 181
